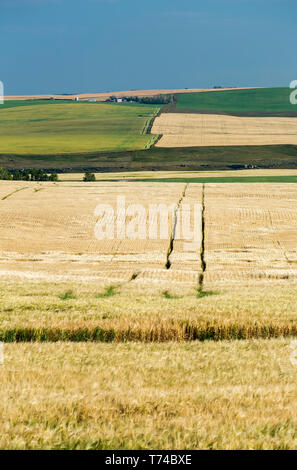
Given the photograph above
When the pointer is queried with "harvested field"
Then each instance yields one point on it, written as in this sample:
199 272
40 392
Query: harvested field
49 231
191 130
251 232
237 281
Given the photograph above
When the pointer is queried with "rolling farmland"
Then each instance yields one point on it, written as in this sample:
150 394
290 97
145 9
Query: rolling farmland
155 336
118 320
66 128
118 94
252 117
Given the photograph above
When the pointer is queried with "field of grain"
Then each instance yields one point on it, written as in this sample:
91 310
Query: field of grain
134 343
50 128
192 130
228 395
235 279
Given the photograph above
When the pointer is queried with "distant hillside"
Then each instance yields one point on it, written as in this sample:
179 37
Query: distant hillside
266 101
105 95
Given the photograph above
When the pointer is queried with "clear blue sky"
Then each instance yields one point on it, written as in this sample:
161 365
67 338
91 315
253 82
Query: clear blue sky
76 46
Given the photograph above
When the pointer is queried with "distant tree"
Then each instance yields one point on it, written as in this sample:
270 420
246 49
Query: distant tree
17 175
89 177
158 99
26 175
4 174
53 177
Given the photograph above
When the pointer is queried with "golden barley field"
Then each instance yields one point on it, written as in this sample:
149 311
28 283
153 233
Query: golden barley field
198 395
190 130
148 343
236 279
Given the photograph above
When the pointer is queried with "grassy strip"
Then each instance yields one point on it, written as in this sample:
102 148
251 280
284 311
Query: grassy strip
223 179
156 158
176 331
135 311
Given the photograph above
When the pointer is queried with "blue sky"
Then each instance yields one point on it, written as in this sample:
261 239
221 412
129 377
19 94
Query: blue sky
56 46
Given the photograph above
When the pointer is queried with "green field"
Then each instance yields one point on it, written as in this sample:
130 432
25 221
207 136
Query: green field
223 179
52 127
262 100
17 103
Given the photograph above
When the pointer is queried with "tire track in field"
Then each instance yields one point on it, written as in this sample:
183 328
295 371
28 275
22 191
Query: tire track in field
13 192
173 233
278 242
202 248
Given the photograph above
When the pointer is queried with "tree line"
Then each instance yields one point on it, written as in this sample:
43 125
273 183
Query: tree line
27 175
36 175
157 99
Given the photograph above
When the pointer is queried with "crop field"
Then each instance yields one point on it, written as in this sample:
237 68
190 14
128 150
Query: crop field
66 128
190 130
148 343
185 175
227 395
259 100
243 259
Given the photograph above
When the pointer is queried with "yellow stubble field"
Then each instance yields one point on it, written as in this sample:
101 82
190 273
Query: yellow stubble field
190 130
251 232
48 232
